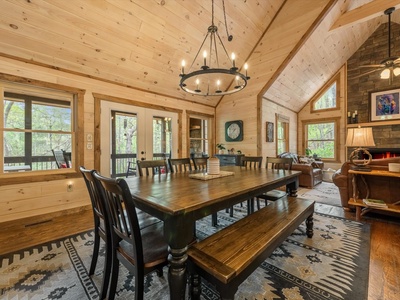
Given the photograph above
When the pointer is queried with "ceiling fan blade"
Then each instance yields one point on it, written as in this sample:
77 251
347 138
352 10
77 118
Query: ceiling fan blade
372 66
363 74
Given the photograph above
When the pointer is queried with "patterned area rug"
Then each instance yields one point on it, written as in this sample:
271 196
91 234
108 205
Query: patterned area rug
334 264
325 192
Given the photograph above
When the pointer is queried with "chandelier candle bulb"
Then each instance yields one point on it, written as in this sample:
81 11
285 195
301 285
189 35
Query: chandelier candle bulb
233 60
183 67
205 57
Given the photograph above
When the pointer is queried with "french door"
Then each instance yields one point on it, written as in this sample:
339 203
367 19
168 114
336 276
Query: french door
129 133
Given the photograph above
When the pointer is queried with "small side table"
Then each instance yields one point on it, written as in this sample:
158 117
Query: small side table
361 207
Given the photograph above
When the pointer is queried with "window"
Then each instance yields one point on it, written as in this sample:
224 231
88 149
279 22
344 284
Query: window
33 127
321 138
327 100
35 121
328 97
282 134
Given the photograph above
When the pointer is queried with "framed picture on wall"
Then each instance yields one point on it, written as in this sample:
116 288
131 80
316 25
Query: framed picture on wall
270 132
384 105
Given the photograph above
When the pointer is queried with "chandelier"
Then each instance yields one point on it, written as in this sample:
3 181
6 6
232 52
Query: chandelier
211 79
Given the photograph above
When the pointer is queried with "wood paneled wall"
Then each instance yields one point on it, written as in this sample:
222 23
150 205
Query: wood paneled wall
32 199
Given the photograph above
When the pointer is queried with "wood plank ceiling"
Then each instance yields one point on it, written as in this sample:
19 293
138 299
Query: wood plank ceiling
141 43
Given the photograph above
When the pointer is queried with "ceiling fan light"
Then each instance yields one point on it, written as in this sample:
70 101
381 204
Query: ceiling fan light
385 74
396 71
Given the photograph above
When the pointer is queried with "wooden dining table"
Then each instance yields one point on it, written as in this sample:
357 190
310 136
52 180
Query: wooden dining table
180 200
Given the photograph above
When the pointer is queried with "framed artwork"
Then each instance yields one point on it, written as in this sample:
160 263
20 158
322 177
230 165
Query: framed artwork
384 105
270 132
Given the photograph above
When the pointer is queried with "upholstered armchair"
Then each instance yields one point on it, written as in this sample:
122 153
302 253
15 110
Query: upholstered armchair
311 170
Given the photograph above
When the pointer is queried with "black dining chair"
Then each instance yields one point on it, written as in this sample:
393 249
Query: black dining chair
152 167
179 165
101 229
275 163
141 251
200 163
251 162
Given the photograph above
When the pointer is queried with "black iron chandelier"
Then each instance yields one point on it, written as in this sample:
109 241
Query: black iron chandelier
211 79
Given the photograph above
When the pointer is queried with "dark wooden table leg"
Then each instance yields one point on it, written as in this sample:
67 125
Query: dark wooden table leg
292 187
309 226
179 233
177 273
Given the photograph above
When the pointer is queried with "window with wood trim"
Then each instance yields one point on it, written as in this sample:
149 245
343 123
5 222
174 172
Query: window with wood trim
328 98
321 137
282 134
38 129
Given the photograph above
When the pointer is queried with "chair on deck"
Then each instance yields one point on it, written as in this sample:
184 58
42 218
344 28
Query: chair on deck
131 169
141 251
275 164
61 160
155 166
179 165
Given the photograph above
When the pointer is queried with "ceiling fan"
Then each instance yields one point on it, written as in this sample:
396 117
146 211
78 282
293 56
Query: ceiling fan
389 66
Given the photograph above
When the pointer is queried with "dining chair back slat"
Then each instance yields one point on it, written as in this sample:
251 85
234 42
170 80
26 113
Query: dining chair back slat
200 163
179 165
152 167
254 162
279 163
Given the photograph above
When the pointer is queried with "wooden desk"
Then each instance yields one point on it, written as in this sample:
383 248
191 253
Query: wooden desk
179 201
361 207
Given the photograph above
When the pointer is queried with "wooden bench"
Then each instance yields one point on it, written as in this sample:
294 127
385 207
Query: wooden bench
229 256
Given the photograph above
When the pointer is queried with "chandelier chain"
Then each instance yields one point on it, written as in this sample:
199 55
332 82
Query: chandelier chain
226 24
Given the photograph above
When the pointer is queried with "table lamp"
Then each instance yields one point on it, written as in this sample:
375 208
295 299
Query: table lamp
360 138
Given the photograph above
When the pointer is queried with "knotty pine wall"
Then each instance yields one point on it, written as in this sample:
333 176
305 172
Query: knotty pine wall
20 201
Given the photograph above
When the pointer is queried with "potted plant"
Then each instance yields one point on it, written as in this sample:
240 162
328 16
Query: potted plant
308 152
221 148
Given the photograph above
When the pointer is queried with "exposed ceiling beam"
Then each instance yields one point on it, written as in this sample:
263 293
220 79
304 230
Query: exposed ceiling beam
365 12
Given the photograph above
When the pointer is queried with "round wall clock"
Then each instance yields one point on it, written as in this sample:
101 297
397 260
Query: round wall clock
234 131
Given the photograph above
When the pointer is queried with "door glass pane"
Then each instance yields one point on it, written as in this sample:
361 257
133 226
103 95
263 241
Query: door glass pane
162 135
198 135
124 142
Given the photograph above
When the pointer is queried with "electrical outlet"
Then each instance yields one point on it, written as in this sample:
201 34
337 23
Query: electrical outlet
70 187
89 146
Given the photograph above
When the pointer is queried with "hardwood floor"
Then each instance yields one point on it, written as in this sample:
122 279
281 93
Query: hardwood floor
384 279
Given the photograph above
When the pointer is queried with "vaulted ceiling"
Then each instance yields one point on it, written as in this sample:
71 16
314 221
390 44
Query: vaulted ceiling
141 43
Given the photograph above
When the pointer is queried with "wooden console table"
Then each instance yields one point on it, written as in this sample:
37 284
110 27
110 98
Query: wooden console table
361 207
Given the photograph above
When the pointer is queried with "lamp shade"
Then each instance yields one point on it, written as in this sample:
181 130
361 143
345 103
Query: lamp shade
360 137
